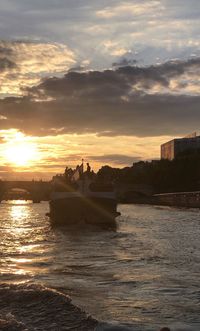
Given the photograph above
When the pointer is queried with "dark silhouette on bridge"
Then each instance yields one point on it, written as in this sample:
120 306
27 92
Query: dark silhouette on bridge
38 190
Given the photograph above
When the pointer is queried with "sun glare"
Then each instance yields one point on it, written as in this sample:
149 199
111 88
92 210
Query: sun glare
20 152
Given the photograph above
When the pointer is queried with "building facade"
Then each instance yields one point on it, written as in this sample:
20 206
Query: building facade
171 149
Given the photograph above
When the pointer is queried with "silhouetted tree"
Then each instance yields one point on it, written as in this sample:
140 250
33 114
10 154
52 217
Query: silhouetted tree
180 174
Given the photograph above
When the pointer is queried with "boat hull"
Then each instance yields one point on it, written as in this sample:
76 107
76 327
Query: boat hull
83 210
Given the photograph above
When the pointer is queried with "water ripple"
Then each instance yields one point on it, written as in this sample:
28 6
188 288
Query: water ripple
144 275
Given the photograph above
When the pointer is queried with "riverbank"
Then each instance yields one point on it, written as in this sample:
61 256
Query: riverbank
174 199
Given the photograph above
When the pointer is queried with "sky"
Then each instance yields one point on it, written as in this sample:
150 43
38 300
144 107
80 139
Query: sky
104 81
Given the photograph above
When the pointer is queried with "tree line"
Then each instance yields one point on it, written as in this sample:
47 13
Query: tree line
180 174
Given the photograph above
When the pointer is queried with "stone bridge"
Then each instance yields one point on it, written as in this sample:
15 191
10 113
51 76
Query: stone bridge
130 192
38 190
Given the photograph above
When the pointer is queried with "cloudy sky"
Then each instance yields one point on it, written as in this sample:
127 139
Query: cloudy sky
104 81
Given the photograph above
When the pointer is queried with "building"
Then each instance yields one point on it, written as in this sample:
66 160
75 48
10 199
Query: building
173 148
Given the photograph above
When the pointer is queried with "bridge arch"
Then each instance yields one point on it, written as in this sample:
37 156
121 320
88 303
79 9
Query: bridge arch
16 194
38 190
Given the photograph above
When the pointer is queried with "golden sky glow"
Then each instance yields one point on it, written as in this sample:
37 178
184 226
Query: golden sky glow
107 82
33 61
41 157
19 151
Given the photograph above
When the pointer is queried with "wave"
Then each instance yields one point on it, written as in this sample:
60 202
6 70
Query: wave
29 307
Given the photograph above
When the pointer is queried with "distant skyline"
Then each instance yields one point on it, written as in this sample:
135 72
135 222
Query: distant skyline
86 79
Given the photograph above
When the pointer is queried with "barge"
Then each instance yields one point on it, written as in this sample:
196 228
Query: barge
78 198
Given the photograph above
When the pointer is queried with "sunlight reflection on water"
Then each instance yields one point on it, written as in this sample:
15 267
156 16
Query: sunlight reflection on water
146 272
20 247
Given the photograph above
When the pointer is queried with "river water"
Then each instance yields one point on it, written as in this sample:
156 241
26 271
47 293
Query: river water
144 275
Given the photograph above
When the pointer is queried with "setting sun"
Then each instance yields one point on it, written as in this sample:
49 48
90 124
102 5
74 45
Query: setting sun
20 152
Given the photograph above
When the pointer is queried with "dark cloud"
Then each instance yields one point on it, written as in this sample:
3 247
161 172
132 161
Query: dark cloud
6 64
5 51
117 159
60 161
119 82
106 103
124 63
77 69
